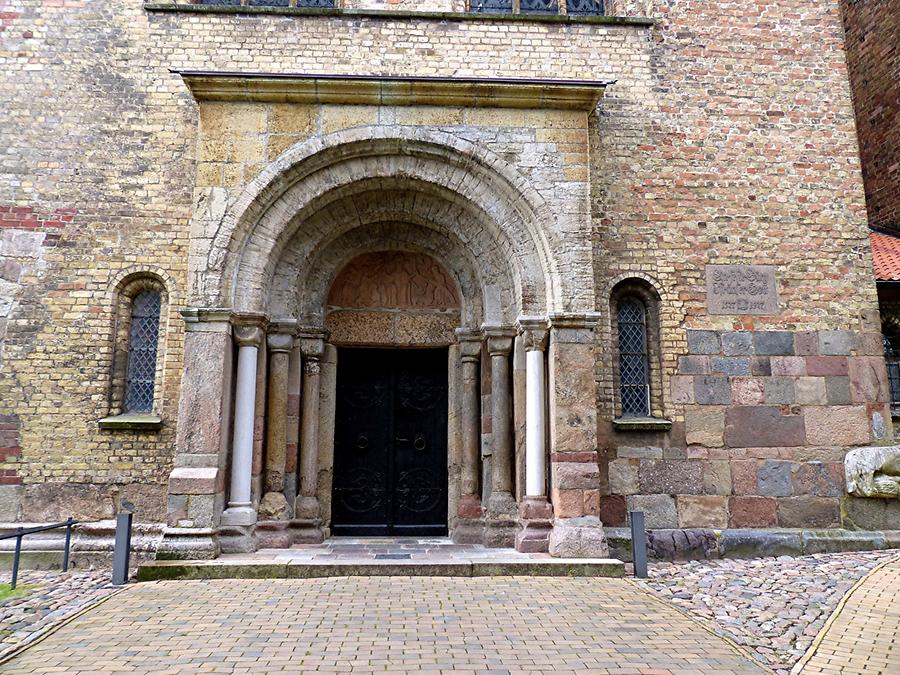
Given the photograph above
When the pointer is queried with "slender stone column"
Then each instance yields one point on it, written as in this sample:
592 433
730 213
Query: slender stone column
535 511
501 507
240 509
274 506
312 344
469 528
295 380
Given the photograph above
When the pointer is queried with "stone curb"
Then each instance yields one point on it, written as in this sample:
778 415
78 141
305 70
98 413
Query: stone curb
702 624
211 569
43 633
798 667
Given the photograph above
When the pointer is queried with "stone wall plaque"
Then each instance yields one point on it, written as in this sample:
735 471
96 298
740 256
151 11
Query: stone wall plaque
741 289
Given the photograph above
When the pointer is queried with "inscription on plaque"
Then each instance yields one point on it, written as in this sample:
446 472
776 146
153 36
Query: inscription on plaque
741 289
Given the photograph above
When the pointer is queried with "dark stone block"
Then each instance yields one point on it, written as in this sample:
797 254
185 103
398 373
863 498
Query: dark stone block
773 479
688 544
712 390
761 366
665 476
824 366
806 343
763 427
868 513
693 365
780 391
758 543
838 541
752 512
703 342
774 342
819 479
730 365
613 510
738 343
837 390
809 512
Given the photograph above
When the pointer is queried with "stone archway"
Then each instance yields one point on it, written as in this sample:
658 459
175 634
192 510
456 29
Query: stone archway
271 255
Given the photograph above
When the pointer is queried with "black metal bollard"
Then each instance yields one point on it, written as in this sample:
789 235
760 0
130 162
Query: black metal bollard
69 522
638 544
122 551
16 556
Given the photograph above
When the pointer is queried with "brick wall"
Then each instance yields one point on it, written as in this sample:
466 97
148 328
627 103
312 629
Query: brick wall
872 29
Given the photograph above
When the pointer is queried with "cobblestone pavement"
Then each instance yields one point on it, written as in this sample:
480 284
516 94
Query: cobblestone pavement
864 637
773 607
385 624
56 596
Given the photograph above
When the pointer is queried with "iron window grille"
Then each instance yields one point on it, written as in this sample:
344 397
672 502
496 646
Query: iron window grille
143 341
892 361
634 362
572 7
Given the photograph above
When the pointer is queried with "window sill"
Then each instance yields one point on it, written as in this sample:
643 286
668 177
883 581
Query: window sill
132 422
641 424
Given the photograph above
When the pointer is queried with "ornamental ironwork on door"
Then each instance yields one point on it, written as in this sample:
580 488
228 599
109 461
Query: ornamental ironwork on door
390 443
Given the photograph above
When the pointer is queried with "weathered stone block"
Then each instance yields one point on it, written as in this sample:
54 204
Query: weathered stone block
837 391
870 513
806 343
752 512
578 538
193 481
762 426
176 509
705 426
773 478
868 379
623 477
819 478
761 366
640 453
837 425
788 365
682 389
703 342
702 510
823 366
693 365
743 476
716 477
780 390
809 511
810 391
613 510
567 503
688 544
670 477
659 510
738 343
730 365
576 475
836 342
748 391
10 503
773 342
712 390
757 543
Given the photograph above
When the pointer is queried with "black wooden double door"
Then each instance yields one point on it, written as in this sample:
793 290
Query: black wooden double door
390 443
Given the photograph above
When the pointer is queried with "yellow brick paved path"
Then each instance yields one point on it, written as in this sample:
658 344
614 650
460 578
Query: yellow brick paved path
864 636
385 624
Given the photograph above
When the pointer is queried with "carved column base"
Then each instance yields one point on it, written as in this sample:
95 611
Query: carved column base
578 538
274 506
188 543
535 514
306 531
237 538
273 534
307 508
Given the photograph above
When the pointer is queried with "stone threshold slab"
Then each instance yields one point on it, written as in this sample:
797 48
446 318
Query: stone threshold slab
161 570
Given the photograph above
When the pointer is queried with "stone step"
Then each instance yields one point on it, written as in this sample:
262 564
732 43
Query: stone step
270 569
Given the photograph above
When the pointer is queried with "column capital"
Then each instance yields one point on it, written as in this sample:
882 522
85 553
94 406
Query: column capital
499 339
469 344
311 340
280 342
249 336
534 331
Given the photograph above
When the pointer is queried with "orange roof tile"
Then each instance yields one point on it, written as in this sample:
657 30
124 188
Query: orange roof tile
885 256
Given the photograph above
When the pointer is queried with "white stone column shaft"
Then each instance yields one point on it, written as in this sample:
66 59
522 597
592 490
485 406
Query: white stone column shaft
535 424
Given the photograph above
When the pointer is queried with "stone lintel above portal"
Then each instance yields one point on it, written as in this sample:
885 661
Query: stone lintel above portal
395 91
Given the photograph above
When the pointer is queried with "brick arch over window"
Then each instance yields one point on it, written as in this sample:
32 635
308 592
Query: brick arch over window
235 266
140 304
628 299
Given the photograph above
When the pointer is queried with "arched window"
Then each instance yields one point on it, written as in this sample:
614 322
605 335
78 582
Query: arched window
143 342
634 362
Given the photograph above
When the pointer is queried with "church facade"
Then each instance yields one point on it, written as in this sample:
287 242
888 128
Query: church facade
280 271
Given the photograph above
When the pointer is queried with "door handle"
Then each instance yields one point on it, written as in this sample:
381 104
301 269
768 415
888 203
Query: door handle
397 438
